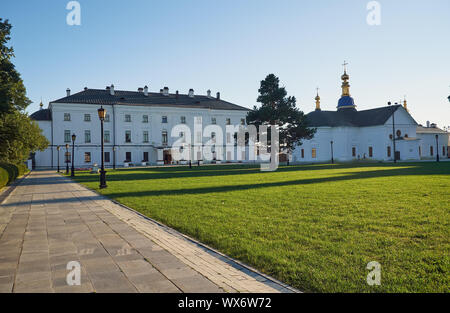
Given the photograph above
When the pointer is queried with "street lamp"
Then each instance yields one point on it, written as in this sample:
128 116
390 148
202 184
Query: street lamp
437 148
332 157
72 174
393 130
101 116
67 158
57 149
114 157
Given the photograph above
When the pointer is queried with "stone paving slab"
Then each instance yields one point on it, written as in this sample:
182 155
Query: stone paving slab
48 221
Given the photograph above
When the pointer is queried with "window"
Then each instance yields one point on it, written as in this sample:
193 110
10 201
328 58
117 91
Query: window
106 117
145 136
183 120
127 118
67 116
420 151
213 120
164 120
303 153
354 151
87 157
314 153
229 155
87 117
370 152
87 136
144 118
128 136
164 137
228 138
107 157
145 158
182 137
389 151
431 150
213 137
443 150
242 121
228 121
67 136
199 137
106 136
127 156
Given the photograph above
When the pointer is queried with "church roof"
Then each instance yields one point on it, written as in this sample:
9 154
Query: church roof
430 130
42 115
351 117
137 98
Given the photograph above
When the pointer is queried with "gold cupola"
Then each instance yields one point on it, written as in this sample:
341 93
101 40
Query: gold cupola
317 98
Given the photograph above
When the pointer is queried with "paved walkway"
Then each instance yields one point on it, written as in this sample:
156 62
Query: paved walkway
48 221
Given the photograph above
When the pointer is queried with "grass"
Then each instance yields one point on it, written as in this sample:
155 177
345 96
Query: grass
314 227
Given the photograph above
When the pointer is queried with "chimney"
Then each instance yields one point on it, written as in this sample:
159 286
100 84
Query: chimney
68 92
218 96
176 94
428 124
161 91
140 89
191 93
85 88
166 91
146 91
111 90
433 125
208 93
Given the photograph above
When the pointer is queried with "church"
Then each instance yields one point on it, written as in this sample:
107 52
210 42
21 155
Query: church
350 135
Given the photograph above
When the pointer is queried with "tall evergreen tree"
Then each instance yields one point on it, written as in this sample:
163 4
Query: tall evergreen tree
279 109
19 135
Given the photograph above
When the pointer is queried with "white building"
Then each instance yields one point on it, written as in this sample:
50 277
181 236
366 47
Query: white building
347 134
137 126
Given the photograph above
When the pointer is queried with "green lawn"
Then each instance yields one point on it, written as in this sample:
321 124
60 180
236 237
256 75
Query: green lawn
314 227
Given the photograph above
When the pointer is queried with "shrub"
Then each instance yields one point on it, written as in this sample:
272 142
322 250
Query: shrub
9 172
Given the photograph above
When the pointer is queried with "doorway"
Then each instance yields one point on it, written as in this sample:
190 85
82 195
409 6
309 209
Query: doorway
167 157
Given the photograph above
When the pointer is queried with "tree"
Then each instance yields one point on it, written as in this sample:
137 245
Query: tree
19 135
280 110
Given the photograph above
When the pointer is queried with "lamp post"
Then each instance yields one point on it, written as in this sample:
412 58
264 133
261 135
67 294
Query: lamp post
57 149
332 156
72 174
67 158
393 131
101 116
114 157
437 148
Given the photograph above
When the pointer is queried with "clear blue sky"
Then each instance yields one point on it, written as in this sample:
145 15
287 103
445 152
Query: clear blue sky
229 46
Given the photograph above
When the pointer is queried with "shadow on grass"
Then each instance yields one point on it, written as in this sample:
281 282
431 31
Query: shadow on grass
230 170
411 169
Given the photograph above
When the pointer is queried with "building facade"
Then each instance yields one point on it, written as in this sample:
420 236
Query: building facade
347 134
137 127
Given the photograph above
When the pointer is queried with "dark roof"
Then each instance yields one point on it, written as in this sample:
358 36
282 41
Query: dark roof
351 117
42 115
136 98
430 130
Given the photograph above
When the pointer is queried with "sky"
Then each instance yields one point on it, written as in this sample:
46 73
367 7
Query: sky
231 45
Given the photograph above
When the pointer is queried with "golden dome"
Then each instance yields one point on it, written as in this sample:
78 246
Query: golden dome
345 76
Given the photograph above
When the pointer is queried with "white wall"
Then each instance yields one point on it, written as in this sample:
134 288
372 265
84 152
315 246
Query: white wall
137 147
